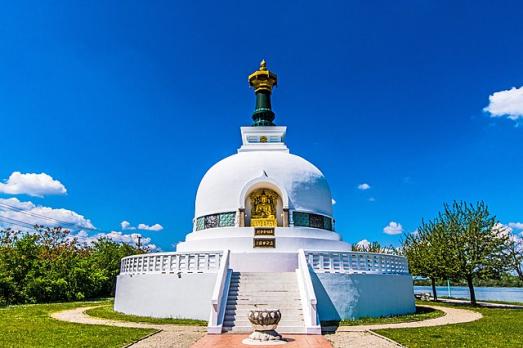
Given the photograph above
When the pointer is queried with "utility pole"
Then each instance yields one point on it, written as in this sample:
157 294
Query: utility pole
139 242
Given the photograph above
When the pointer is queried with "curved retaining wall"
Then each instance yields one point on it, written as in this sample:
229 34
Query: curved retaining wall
352 296
347 285
186 295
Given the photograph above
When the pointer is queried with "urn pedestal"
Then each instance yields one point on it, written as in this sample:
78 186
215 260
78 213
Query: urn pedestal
264 322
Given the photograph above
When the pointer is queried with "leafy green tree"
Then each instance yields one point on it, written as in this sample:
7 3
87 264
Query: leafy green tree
48 265
515 253
106 255
476 245
427 253
373 247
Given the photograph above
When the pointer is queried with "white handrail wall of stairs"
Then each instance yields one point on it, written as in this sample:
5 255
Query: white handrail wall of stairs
219 296
308 296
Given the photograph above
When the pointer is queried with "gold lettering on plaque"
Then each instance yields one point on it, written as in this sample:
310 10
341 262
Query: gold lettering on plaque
264 243
264 231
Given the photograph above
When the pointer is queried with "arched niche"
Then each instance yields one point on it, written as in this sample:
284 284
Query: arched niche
265 183
263 208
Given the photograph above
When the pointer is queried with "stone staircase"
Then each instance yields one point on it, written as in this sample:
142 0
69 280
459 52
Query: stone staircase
271 290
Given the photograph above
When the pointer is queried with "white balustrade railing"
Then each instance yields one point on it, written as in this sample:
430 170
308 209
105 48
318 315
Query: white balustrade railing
193 262
356 262
308 296
219 296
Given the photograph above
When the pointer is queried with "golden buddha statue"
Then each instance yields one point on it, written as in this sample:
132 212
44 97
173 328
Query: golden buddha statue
263 208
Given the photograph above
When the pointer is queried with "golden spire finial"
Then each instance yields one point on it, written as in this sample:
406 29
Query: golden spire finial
263 79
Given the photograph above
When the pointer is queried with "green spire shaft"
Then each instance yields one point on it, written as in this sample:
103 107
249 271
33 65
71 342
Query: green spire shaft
263 114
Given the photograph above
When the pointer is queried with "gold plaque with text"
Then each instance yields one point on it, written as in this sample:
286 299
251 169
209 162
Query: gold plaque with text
264 243
264 231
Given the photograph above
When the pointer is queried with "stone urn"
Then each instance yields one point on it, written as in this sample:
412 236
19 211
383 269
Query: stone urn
264 322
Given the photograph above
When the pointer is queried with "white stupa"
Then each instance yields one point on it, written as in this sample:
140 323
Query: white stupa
264 235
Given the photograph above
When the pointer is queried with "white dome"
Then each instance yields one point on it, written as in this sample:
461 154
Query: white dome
222 186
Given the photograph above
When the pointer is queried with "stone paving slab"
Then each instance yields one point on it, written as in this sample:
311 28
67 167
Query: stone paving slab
366 339
235 340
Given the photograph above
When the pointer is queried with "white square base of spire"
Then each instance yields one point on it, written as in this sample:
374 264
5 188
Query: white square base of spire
263 139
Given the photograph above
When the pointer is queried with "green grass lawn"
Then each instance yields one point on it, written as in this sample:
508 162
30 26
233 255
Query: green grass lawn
31 326
422 313
487 301
107 312
497 328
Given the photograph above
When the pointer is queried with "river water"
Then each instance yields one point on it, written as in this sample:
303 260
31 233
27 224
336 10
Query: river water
482 293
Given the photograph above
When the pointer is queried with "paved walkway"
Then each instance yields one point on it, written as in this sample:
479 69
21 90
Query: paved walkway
172 336
235 340
177 336
363 336
452 316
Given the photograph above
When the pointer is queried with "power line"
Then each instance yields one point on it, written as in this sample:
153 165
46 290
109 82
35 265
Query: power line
35 215
16 222
22 211
23 224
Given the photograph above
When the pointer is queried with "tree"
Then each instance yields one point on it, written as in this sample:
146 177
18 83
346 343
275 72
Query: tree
47 264
427 253
106 255
475 244
372 247
515 253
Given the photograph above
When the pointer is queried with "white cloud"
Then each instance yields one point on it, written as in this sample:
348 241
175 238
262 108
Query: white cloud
363 186
501 229
516 225
372 199
126 225
155 227
32 184
393 228
132 238
13 209
507 103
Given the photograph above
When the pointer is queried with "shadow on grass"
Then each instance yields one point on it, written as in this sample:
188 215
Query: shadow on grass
107 312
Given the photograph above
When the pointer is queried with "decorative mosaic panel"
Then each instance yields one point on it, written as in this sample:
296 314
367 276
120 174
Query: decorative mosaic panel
227 219
200 223
315 221
211 221
312 220
300 219
327 223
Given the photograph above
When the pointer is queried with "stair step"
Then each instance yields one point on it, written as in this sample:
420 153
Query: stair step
231 323
243 318
244 314
270 290
247 307
280 329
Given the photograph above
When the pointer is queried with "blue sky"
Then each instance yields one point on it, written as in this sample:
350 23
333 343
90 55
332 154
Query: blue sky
127 105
